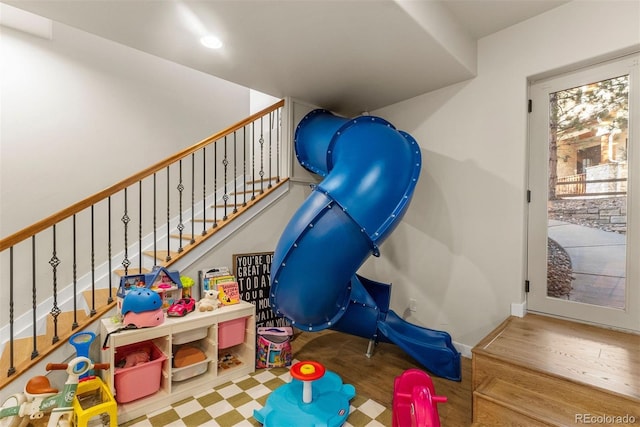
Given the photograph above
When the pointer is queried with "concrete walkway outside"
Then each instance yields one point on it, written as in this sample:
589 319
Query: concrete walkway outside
598 259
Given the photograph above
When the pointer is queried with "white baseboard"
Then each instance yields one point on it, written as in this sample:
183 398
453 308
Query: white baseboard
519 309
465 350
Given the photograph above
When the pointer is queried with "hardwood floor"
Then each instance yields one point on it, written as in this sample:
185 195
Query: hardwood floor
373 377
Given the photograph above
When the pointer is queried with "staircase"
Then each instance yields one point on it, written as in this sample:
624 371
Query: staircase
543 371
61 274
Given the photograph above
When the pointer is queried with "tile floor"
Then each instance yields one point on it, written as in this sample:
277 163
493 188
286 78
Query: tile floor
232 404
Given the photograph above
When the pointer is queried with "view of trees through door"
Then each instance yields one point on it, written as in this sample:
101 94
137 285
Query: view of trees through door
582 176
587 201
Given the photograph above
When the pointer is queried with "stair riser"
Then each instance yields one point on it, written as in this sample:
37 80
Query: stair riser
488 412
558 389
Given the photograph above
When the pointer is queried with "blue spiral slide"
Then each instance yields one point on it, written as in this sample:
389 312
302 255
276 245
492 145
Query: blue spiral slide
369 172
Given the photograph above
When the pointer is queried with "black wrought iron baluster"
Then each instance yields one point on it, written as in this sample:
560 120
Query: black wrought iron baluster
168 257
225 196
155 221
54 262
193 198
235 172
204 191
93 262
110 300
270 140
180 190
75 276
244 165
278 127
34 295
253 160
261 142
12 368
125 221
215 184
140 227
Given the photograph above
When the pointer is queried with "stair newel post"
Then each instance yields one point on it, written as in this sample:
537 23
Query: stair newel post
180 221
54 262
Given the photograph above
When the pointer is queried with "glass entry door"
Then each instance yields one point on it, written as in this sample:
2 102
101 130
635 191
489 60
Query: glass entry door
583 243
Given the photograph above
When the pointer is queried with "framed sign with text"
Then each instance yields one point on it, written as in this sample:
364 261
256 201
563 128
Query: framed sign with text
252 272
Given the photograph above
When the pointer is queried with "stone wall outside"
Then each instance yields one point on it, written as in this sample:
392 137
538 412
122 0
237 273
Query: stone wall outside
607 213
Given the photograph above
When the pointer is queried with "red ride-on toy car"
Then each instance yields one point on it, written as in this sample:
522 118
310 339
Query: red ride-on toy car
182 307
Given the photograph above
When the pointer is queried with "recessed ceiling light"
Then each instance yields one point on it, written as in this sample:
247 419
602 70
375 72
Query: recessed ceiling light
212 42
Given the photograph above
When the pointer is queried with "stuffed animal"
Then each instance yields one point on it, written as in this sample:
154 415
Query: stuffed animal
135 358
209 301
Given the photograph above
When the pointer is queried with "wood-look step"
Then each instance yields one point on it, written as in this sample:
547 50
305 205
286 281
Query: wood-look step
552 403
130 271
23 347
539 370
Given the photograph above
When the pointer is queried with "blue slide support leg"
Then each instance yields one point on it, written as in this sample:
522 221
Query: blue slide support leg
369 172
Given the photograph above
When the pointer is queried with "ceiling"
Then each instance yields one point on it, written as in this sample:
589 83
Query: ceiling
348 56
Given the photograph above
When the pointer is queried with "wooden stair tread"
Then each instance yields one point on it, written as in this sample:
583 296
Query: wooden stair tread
578 353
23 347
130 271
557 408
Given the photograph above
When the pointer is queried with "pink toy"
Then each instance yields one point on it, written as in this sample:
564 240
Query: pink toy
415 400
136 358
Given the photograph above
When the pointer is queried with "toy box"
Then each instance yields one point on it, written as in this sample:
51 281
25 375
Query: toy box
273 349
231 332
141 380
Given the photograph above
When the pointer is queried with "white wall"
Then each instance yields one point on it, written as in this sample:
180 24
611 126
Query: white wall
80 113
460 249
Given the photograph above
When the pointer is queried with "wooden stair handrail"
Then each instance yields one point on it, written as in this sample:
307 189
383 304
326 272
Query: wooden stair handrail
45 223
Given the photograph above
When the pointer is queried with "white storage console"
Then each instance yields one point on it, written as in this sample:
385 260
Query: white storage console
225 342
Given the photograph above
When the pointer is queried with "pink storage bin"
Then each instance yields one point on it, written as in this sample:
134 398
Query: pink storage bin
231 332
140 380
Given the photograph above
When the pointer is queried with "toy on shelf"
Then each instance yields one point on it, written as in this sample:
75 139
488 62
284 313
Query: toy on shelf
39 398
167 283
142 308
182 307
187 284
209 301
315 396
415 400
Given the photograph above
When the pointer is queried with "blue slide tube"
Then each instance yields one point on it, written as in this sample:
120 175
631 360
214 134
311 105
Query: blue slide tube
369 172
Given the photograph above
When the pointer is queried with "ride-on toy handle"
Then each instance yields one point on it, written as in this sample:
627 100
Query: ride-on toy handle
64 366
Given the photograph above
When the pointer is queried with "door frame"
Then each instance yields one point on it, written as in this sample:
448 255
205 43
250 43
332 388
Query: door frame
537 222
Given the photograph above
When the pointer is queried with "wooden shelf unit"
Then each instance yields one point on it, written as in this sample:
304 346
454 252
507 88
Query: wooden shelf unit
203 327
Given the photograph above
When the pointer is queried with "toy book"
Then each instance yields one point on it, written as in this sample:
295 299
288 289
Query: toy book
228 293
